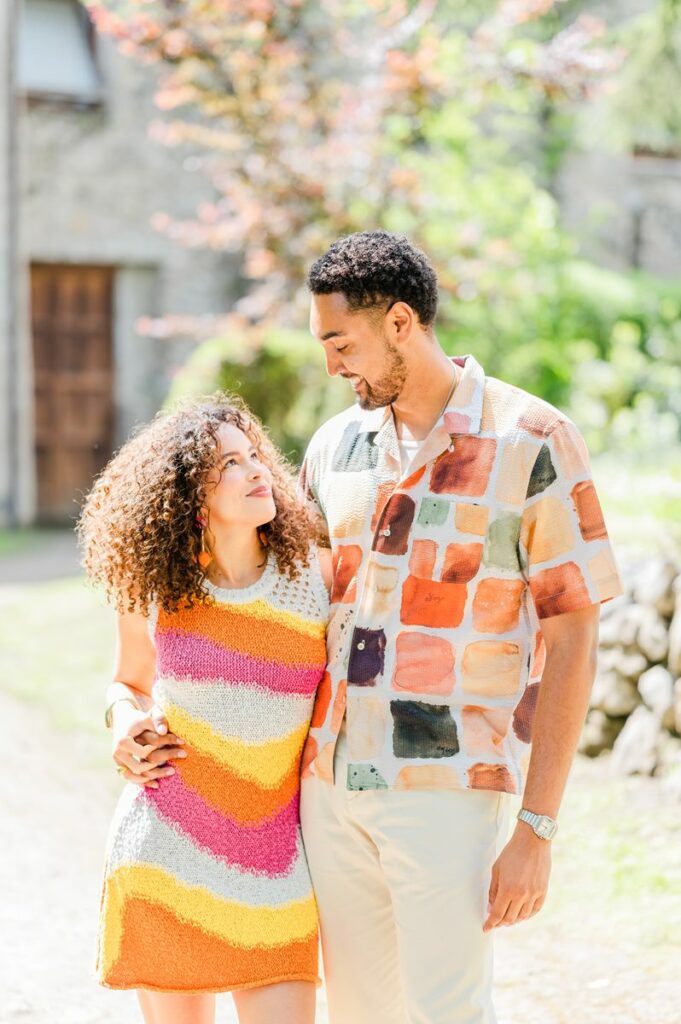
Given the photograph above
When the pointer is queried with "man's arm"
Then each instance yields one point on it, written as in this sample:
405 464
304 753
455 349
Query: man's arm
520 876
571 653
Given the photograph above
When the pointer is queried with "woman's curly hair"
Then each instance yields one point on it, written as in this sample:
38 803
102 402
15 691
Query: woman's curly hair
137 528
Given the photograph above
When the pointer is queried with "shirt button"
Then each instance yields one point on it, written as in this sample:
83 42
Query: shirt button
360 645
386 532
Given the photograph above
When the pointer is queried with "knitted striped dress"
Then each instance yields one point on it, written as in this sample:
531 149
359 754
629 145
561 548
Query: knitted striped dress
206 886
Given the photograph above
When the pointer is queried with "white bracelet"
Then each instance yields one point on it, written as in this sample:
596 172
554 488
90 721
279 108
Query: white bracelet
108 720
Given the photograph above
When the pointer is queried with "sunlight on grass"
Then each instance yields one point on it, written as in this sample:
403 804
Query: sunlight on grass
57 642
616 862
13 542
641 501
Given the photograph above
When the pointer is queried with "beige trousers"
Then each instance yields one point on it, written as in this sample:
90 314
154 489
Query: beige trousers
402 880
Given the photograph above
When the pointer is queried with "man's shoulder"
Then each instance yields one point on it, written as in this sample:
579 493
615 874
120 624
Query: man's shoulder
326 436
511 411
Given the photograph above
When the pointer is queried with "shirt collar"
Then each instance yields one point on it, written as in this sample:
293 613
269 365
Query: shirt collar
463 415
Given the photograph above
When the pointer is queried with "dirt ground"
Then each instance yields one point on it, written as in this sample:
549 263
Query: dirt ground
595 955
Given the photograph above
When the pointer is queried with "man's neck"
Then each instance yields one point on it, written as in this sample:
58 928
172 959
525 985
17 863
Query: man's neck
425 396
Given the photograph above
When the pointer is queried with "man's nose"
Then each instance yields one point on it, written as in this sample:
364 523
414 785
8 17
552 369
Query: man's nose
333 363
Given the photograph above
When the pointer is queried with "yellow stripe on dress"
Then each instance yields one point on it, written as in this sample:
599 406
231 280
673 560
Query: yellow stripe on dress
266 763
237 923
290 620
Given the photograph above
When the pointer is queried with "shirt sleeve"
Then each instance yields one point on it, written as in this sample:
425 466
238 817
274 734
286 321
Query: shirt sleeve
564 545
307 491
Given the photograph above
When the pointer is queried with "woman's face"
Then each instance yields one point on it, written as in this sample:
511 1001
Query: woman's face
239 488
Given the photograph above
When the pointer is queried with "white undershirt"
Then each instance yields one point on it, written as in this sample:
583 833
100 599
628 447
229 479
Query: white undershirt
408 448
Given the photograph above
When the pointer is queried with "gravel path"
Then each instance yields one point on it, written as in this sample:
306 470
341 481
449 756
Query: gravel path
577 963
41 555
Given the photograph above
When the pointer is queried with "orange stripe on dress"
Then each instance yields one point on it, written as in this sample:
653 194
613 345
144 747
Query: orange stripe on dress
239 798
259 638
195 960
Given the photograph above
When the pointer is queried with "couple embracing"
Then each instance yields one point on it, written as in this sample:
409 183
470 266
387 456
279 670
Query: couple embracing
324 696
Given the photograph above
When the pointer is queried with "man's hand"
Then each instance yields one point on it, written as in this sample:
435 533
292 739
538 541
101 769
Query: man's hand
142 744
520 879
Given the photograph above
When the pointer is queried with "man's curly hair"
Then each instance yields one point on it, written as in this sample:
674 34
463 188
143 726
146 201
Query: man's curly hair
137 528
373 268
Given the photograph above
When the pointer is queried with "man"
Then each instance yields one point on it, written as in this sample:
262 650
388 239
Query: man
470 558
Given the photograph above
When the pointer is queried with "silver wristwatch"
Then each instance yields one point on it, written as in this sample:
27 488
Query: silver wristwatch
541 824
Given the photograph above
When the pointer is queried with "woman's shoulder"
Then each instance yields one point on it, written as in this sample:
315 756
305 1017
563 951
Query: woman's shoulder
307 593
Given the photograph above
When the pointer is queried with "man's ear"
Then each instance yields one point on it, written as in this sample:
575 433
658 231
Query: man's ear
400 322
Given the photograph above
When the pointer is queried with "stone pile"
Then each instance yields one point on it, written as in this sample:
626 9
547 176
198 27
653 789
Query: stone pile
636 701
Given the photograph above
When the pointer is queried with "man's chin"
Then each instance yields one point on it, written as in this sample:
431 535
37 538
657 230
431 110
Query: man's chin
369 402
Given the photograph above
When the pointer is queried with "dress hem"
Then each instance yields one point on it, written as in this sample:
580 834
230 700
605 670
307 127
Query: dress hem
207 991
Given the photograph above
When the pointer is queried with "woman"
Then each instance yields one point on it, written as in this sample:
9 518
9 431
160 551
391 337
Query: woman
194 530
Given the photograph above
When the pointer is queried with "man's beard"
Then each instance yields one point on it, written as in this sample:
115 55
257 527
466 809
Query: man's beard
388 388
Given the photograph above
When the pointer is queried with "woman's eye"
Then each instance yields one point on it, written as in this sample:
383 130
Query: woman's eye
228 463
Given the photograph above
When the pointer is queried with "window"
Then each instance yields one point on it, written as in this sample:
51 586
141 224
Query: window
56 58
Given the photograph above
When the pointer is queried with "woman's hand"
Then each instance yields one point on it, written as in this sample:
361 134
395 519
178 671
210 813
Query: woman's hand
142 744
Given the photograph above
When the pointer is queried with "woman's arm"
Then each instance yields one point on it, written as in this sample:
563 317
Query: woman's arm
141 741
135 662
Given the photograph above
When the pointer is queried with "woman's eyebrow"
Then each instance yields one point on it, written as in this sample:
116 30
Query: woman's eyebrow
227 455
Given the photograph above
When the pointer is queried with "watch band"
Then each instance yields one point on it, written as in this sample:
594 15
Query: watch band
541 824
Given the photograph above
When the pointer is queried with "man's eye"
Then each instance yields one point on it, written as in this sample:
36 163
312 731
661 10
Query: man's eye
341 349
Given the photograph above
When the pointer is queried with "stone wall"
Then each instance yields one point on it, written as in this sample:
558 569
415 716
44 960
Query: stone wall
624 208
636 700
92 180
7 276
89 180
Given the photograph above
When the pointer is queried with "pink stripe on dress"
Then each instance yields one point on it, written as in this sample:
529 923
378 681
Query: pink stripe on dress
194 657
268 848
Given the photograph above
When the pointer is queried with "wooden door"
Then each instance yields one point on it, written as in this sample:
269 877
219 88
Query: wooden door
71 310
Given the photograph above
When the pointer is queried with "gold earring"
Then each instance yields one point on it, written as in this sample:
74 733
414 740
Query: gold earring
204 557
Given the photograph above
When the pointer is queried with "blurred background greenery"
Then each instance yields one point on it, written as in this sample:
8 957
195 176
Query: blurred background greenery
451 124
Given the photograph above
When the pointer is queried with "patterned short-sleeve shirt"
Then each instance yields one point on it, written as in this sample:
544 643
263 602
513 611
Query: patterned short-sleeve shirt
441 578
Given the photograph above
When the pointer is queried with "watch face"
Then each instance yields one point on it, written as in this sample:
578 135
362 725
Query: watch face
546 827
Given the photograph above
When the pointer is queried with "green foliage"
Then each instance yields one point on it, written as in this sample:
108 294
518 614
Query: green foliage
645 110
308 136
626 390
603 346
445 124
279 373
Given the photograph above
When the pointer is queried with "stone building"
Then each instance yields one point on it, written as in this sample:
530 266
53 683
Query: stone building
79 183
622 197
